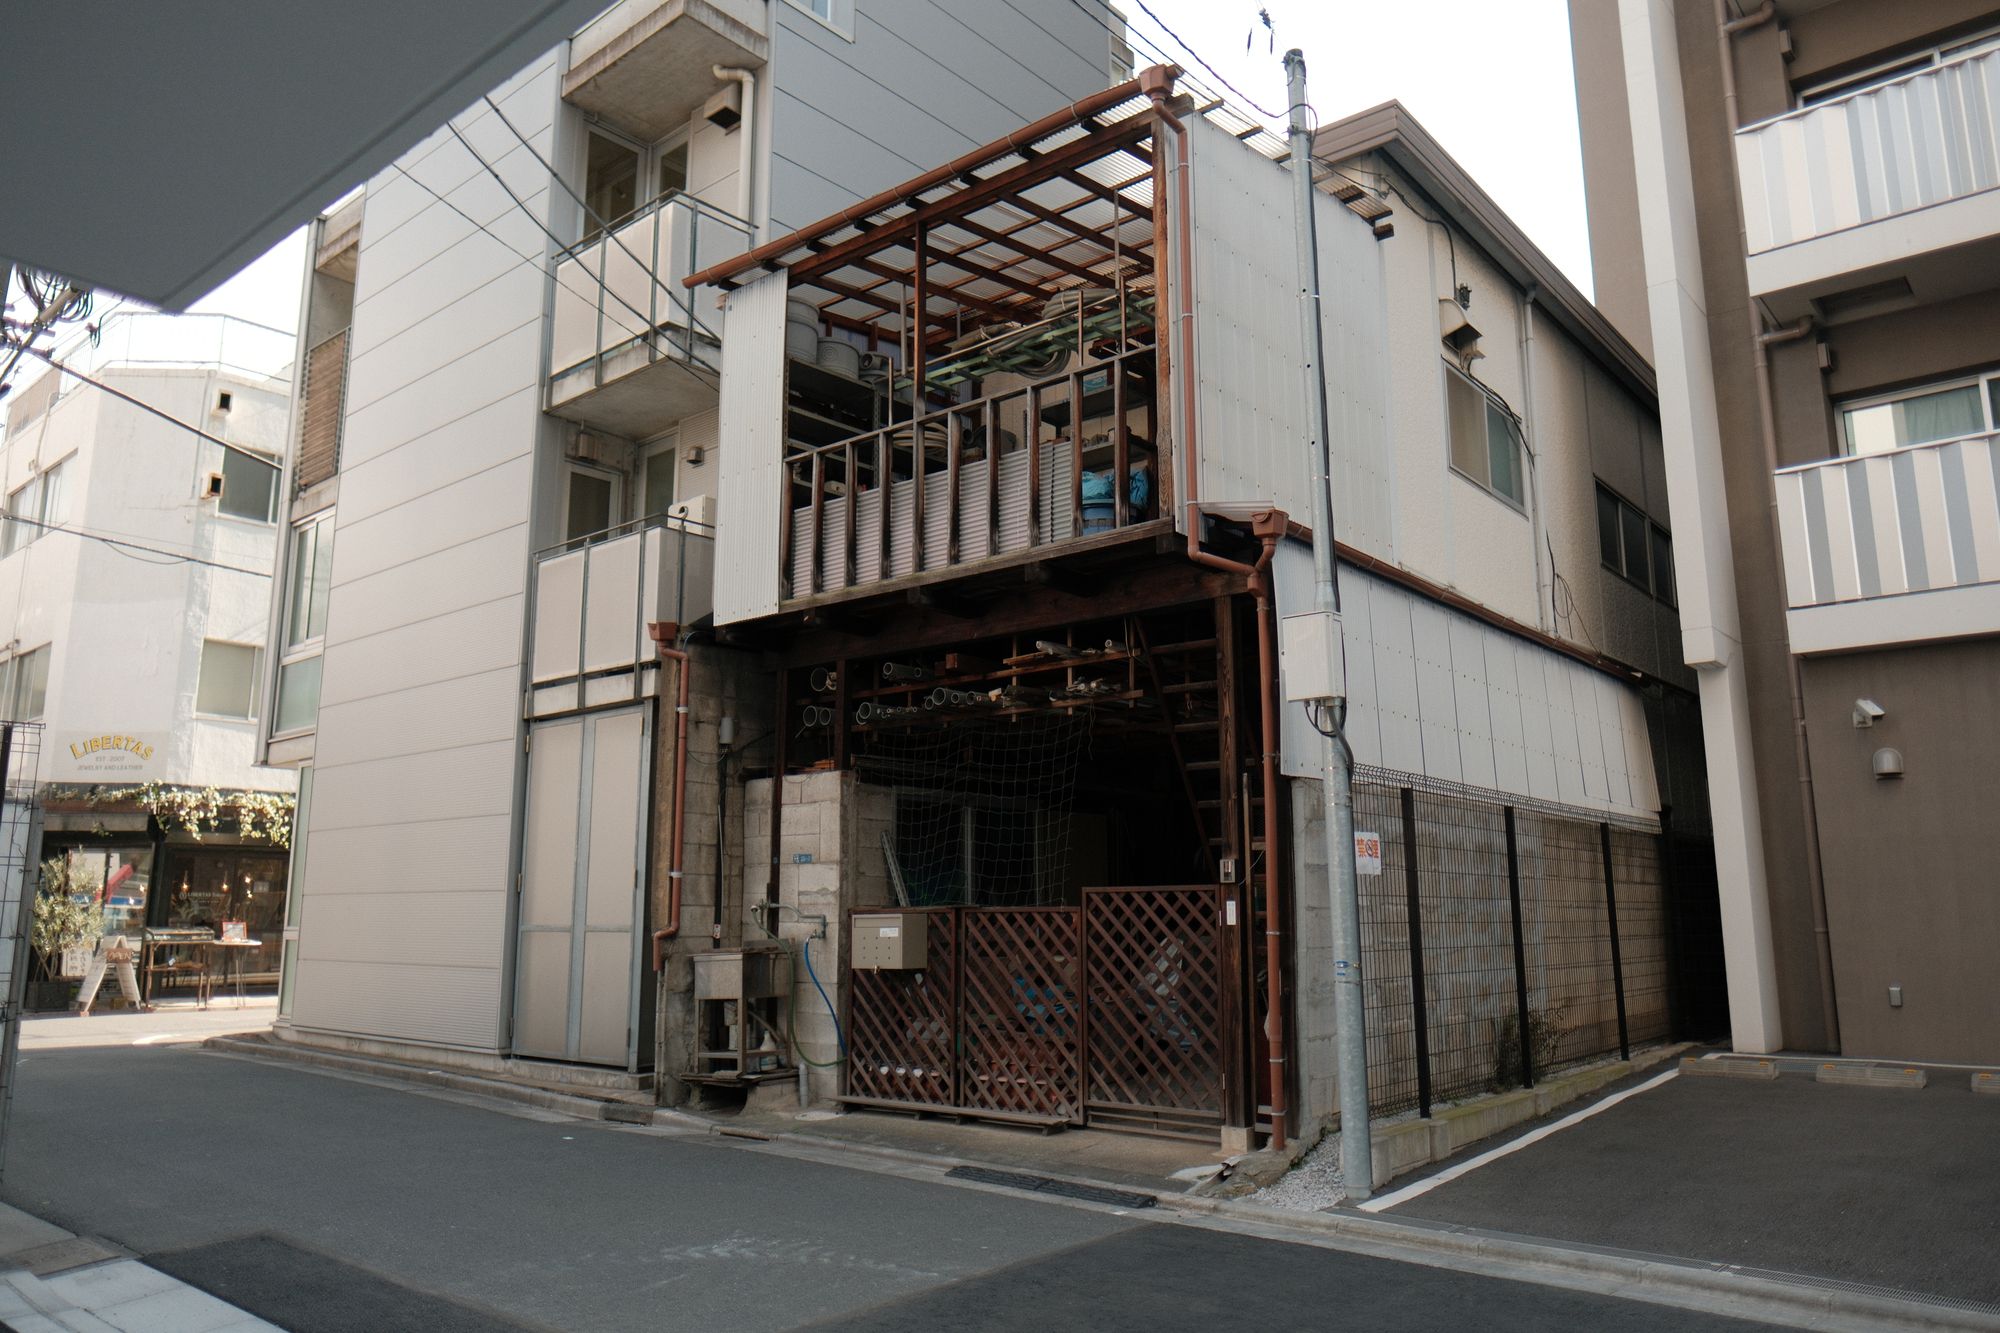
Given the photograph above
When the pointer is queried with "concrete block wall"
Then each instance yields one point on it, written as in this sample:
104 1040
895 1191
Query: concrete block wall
829 861
1312 945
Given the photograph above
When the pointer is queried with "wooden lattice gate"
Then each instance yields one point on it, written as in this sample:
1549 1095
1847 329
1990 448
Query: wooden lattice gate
1159 1010
1114 1014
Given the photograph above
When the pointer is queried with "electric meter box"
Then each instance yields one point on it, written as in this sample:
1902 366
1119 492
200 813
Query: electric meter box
891 941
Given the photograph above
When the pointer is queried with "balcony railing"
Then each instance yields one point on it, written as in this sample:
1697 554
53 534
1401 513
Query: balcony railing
1927 138
976 481
1922 518
619 303
594 598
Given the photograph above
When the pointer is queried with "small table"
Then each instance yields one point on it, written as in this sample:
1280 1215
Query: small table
232 964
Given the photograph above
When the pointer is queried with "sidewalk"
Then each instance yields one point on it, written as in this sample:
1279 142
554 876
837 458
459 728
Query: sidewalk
171 1021
52 1281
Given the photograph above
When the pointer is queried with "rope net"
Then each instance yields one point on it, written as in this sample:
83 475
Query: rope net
983 809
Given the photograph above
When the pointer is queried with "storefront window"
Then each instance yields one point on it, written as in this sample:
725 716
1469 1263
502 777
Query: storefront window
123 876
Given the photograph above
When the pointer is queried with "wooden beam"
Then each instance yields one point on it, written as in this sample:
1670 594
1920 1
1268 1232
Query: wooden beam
1004 186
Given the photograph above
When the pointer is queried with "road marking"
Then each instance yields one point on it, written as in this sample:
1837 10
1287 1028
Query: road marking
1387 1201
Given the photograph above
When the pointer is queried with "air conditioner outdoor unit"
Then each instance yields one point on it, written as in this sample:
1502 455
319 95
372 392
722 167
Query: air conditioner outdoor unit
696 509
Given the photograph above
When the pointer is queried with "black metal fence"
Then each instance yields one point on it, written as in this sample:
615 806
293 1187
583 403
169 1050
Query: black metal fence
1490 921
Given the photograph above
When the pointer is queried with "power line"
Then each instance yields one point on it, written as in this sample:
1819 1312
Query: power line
1181 42
145 406
603 224
527 259
126 547
1145 45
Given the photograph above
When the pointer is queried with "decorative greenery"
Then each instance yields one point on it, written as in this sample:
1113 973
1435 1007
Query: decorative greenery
1546 1031
261 815
66 915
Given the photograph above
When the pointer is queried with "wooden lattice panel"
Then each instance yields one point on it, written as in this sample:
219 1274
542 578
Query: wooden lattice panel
1158 1010
1021 1011
900 1040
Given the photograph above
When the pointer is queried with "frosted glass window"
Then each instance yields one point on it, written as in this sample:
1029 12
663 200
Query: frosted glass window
227 686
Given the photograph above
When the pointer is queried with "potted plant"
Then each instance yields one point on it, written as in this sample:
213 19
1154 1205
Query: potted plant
67 915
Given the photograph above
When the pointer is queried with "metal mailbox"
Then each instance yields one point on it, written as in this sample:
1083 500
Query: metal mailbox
890 941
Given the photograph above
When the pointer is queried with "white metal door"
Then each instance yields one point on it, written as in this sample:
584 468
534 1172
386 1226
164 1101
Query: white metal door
582 912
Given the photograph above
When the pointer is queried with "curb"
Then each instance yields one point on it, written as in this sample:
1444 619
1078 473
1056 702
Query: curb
1821 1303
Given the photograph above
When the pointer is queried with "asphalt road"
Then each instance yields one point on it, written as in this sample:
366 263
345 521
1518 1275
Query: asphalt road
329 1205
1889 1188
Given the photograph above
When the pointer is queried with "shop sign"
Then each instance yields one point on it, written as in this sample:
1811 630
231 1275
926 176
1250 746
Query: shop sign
111 753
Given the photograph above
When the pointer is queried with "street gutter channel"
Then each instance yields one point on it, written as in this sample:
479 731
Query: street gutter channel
1801 1300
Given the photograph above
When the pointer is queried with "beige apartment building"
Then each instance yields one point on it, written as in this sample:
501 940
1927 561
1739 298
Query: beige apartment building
1795 209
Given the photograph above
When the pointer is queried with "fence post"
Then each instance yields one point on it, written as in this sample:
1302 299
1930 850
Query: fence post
1523 1035
1417 1014
1617 961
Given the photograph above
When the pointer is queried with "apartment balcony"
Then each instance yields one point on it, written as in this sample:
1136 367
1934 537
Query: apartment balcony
646 66
631 349
594 598
1891 548
1866 187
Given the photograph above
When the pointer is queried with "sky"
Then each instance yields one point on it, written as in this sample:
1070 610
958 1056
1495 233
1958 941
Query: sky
1489 78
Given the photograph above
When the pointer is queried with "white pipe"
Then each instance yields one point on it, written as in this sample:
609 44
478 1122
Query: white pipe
746 127
1537 520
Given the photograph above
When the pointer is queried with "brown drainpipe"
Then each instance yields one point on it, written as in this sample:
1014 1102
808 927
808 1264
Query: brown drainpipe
664 634
1760 343
1157 83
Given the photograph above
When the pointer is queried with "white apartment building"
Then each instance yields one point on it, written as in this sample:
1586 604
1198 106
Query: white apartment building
135 560
499 361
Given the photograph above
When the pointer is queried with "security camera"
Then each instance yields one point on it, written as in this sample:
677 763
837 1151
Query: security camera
1866 711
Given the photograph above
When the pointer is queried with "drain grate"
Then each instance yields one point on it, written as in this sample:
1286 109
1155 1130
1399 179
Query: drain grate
1049 1185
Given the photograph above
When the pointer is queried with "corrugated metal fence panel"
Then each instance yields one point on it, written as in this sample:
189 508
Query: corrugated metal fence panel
1437 692
750 488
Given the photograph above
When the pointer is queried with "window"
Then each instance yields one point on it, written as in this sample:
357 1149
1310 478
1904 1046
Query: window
1485 441
1877 75
590 503
249 487
610 181
309 582
55 496
24 685
227 686
1924 415
659 480
1634 547
23 504
670 166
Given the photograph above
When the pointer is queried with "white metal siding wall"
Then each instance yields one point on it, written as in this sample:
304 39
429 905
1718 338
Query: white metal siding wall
752 435
1434 691
405 899
1253 419
919 84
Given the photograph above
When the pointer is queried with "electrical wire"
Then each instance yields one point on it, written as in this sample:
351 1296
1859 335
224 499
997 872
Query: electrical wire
1147 46
1181 42
126 547
145 406
685 307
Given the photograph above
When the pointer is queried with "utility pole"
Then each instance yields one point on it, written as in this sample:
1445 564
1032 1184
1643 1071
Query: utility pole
1313 642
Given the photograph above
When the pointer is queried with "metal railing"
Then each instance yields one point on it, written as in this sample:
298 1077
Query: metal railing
1923 139
621 289
592 598
965 483
1921 517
